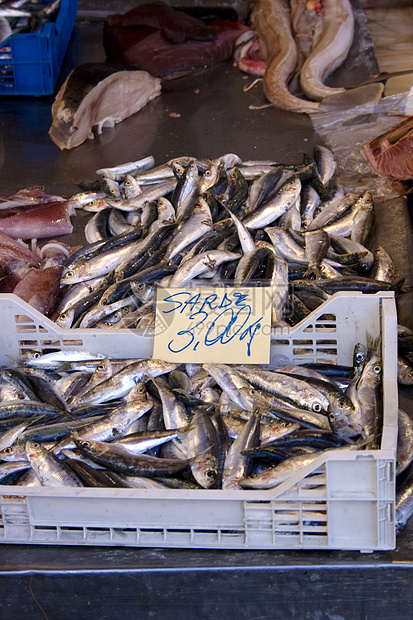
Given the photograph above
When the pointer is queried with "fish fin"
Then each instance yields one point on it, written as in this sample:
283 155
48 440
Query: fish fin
313 273
373 344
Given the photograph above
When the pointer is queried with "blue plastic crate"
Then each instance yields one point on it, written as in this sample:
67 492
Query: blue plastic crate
30 63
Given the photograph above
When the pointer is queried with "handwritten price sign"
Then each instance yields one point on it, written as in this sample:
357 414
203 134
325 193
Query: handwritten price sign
228 325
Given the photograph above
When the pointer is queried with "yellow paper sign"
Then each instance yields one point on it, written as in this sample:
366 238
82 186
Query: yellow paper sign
227 325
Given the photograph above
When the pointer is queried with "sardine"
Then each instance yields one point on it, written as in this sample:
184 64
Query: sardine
119 459
238 466
49 469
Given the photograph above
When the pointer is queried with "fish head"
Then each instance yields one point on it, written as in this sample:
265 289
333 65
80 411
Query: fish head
404 375
205 470
373 371
66 318
138 392
71 275
96 205
365 202
143 291
342 416
89 446
12 453
103 370
34 450
249 398
360 353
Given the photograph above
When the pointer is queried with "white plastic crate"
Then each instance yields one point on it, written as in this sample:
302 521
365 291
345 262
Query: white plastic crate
343 500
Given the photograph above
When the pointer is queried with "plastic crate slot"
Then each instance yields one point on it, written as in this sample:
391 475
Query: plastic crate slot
303 342
321 342
326 351
72 343
281 342
45 528
23 318
25 329
51 343
71 528
303 352
257 502
325 328
326 317
28 343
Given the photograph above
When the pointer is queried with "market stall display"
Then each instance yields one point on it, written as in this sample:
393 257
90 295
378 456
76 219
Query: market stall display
37 321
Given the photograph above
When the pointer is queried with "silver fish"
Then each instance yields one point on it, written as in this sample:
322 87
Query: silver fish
117 173
202 448
404 442
116 423
49 469
237 466
296 390
149 193
325 163
231 382
197 225
98 265
269 211
200 265
119 384
383 266
281 472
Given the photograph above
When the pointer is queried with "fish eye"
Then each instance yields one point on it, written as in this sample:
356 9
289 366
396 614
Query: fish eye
210 473
8 450
101 366
377 369
317 407
342 402
68 274
359 357
332 416
141 286
36 444
36 355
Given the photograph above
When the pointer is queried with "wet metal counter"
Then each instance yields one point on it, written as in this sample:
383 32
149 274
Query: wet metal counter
204 115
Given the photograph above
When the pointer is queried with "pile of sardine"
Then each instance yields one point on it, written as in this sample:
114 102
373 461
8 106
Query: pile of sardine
77 419
219 222
22 16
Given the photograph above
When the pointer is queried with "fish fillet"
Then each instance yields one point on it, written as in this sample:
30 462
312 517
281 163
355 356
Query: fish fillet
97 95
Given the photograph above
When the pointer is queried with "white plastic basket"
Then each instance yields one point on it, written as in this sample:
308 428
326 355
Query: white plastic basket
343 500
